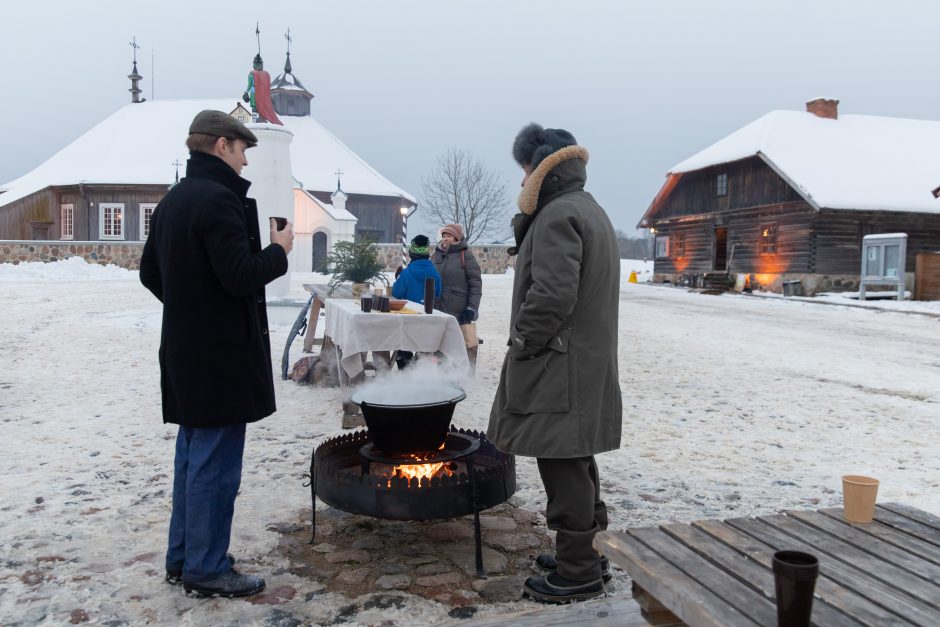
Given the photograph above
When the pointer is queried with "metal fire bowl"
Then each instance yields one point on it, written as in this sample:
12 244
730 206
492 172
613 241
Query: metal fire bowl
339 482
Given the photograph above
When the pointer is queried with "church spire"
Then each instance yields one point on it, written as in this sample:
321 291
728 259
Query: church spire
287 67
134 75
288 93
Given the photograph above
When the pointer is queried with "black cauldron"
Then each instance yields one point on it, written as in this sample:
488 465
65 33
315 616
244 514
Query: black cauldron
408 418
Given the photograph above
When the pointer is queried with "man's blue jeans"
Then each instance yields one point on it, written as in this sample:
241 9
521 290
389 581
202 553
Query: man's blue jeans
207 474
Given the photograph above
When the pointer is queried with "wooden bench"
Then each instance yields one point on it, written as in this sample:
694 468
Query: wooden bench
718 572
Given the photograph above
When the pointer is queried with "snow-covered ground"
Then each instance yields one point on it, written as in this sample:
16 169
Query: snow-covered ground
733 405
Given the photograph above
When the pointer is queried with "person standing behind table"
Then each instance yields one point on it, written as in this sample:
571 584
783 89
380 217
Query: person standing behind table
461 283
558 398
203 260
409 283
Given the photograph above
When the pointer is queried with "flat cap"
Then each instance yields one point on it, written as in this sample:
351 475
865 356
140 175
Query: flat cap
218 124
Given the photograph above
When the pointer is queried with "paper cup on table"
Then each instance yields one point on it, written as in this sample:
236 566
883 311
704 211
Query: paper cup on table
859 494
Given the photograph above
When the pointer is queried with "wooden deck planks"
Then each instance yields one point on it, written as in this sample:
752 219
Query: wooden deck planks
685 597
895 517
862 610
888 552
714 572
717 580
913 513
880 569
897 601
891 535
756 574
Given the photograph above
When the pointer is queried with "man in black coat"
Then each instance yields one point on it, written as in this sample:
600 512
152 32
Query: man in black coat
204 261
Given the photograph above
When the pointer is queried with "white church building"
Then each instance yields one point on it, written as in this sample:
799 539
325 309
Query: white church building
104 186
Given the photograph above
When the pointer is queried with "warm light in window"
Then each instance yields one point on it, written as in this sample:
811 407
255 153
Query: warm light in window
766 233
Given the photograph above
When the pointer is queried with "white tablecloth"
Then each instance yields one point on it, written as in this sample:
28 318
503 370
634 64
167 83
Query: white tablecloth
357 332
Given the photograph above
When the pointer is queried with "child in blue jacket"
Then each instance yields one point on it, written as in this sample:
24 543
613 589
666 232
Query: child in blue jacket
410 283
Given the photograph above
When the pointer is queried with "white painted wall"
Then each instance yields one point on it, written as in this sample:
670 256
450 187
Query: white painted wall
272 185
310 216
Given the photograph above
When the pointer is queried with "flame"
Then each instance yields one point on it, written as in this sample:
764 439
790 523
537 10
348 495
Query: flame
421 470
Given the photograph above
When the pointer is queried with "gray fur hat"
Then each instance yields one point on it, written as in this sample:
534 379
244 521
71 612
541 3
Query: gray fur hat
534 143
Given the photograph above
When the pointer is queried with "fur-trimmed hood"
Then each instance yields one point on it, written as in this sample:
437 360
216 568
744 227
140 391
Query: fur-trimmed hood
529 197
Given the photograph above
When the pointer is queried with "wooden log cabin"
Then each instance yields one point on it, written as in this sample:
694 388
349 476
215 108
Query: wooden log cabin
790 196
103 186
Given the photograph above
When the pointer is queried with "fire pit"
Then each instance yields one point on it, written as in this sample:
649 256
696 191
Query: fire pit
465 476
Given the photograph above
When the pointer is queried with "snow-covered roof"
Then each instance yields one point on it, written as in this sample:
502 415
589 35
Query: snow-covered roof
288 82
139 142
853 162
332 210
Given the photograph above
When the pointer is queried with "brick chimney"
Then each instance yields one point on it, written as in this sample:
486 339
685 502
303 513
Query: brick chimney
824 108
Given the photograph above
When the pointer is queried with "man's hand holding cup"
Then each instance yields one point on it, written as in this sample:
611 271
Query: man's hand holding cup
282 232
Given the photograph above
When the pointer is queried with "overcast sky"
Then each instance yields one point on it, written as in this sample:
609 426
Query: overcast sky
642 85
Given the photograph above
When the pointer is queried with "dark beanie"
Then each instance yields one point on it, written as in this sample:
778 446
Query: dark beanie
420 247
534 143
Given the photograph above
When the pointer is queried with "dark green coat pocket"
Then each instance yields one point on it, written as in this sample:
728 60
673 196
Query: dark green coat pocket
538 384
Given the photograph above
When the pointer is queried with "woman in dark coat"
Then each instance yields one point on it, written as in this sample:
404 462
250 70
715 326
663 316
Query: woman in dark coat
462 285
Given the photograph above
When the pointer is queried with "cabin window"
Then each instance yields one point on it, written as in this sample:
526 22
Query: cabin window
721 185
67 224
370 234
662 246
146 212
111 220
768 239
678 245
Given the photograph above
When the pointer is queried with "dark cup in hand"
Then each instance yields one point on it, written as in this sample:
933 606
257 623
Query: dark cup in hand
281 223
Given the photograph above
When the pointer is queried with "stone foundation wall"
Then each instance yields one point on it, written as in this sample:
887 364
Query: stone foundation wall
812 283
493 259
123 254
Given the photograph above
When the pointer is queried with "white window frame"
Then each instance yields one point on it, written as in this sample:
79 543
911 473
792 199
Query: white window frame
144 221
104 206
721 185
661 246
67 218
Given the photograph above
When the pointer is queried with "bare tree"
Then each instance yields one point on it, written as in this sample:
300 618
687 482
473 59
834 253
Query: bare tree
462 190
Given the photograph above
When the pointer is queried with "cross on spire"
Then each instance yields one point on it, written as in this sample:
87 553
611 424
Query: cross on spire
133 44
287 67
338 173
177 164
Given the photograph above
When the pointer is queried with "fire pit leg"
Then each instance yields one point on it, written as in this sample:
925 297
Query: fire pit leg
313 497
474 496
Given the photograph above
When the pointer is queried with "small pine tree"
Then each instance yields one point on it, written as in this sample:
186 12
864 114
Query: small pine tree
355 262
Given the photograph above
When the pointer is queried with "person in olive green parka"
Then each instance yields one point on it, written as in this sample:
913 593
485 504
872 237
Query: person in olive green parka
559 397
